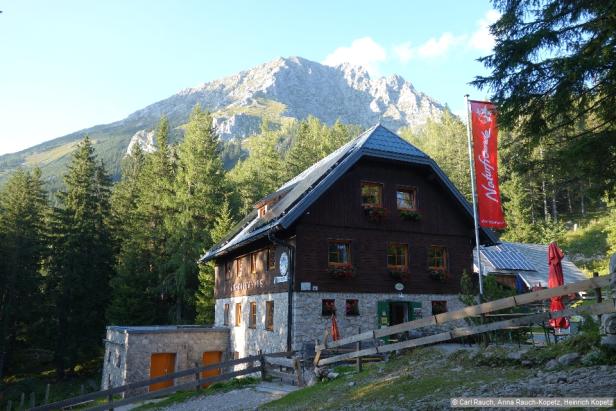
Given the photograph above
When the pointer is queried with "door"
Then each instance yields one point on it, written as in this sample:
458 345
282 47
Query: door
162 364
211 357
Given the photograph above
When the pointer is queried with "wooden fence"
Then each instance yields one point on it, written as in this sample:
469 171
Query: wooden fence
267 367
501 304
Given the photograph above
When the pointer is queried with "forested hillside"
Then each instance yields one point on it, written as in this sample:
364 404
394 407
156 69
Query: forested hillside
127 254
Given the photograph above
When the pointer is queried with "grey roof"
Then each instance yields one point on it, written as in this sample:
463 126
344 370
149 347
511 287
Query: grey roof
305 188
535 270
162 329
506 256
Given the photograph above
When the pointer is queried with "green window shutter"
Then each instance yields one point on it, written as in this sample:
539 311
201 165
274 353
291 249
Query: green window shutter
382 315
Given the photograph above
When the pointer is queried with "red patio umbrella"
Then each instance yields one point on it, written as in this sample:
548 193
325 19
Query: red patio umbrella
335 331
556 279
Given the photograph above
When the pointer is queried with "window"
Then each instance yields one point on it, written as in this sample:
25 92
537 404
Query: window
238 314
339 252
439 307
271 258
397 257
371 194
253 263
437 258
239 266
406 199
252 320
328 307
262 210
269 315
226 315
352 308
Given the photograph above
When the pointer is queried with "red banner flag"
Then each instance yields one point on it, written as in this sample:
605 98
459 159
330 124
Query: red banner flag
485 134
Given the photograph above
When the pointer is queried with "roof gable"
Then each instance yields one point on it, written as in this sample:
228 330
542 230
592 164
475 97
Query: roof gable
305 188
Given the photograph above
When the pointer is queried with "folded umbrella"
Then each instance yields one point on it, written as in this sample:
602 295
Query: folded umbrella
335 331
556 279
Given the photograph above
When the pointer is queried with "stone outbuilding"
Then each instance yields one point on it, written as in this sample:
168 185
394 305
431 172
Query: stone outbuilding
138 353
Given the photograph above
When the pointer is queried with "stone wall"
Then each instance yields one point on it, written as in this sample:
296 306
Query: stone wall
247 341
128 351
309 324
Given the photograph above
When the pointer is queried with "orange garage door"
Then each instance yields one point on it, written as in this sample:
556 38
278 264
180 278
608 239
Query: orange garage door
211 357
162 364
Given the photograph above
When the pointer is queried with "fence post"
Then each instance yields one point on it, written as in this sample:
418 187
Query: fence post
197 385
298 372
22 399
109 396
9 405
358 348
32 399
262 361
47 388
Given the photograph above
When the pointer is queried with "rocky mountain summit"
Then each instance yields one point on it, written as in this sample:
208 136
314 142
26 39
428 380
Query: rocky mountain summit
296 88
280 91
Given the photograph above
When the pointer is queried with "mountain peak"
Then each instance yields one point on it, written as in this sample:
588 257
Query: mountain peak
280 90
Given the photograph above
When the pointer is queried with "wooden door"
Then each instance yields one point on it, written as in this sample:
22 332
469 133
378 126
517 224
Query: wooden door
162 364
211 357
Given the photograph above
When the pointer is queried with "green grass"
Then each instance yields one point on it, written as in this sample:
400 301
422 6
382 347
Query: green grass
420 374
588 247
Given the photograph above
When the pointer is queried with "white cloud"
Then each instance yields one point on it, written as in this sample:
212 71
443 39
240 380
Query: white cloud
363 52
404 52
439 47
482 39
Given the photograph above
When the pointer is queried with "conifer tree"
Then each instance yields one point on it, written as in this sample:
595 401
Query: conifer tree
205 292
142 202
199 194
23 206
261 173
81 259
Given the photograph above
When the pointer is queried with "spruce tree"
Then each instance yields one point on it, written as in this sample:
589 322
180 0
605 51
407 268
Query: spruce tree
142 202
199 194
205 292
23 205
81 259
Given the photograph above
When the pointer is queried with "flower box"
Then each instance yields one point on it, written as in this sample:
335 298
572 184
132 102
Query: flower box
410 215
375 214
342 271
438 275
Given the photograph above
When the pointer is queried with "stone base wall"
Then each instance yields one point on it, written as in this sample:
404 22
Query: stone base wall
309 324
248 341
128 355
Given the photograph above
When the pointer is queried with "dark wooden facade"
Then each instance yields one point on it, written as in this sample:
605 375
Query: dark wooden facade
338 215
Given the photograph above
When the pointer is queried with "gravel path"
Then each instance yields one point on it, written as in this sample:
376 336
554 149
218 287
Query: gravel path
242 399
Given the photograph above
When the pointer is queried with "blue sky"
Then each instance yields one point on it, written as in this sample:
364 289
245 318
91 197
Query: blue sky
68 65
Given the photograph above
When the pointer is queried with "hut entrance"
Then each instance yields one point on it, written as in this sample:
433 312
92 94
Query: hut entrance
162 364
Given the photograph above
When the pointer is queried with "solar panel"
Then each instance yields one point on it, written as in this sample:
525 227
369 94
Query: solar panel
506 257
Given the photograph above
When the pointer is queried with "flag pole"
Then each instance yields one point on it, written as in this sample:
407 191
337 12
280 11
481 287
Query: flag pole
474 194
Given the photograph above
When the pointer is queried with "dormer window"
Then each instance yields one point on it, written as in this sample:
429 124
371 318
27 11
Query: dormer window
371 194
262 210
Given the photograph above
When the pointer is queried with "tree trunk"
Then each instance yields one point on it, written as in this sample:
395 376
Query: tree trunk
546 213
554 207
569 200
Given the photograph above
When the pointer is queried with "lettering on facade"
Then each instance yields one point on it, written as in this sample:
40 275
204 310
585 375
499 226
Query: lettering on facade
248 285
